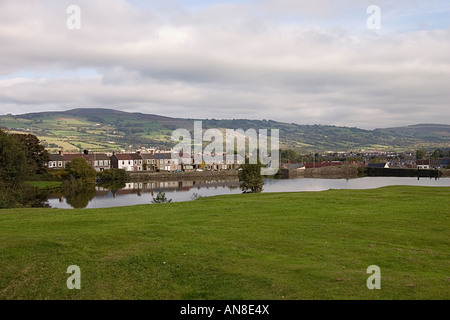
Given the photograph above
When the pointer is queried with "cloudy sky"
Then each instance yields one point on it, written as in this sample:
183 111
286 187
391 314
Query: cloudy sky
308 62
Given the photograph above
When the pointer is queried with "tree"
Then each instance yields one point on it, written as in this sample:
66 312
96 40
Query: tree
36 155
79 168
420 154
251 178
13 164
287 155
438 153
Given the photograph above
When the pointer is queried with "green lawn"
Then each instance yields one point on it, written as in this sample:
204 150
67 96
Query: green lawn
308 245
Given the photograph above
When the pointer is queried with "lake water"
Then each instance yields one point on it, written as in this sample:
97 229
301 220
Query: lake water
144 192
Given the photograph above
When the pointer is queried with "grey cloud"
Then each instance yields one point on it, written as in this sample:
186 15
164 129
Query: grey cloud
202 64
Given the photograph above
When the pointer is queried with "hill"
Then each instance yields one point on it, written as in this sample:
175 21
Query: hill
108 130
431 132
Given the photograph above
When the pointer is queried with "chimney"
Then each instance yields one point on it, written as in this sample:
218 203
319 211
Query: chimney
86 152
60 152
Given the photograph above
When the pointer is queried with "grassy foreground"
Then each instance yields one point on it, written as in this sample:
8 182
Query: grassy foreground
309 245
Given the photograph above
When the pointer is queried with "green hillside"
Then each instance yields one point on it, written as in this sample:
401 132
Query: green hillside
108 130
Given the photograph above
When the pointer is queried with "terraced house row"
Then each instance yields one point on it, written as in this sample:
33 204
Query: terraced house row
153 162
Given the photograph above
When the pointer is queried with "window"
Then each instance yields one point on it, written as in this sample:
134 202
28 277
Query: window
60 164
101 162
95 163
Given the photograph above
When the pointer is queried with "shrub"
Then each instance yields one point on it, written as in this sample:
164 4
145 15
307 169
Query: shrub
196 196
113 175
161 198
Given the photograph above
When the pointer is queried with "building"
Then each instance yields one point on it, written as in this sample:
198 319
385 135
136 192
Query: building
234 163
127 161
440 163
309 165
215 162
423 164
149 161
98 161
164 162
187 162
56 161
384 165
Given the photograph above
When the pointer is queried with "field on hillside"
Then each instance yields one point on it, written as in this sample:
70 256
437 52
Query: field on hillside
108 130
99 132
308 245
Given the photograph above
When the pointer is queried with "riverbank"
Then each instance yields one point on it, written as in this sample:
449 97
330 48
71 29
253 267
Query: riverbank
332 172
353 171
445 173
306 245
180 176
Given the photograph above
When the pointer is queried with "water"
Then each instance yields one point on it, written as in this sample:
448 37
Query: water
144 192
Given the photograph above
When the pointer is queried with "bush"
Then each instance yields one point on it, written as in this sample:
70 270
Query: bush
362 171
196 196
113 175
161 198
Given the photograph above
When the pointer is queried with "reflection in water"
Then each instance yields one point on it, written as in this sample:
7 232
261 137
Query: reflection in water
34 197
135 193
77 194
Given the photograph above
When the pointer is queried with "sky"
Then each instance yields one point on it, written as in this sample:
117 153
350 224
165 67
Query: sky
295 61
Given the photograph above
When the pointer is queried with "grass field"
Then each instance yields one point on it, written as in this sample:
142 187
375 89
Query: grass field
308 245
45 184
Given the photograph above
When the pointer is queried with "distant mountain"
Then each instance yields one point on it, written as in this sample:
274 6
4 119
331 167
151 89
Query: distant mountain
108 130
432 132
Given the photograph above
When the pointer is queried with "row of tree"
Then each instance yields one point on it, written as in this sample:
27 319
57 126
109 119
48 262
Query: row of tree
288 155
436 154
